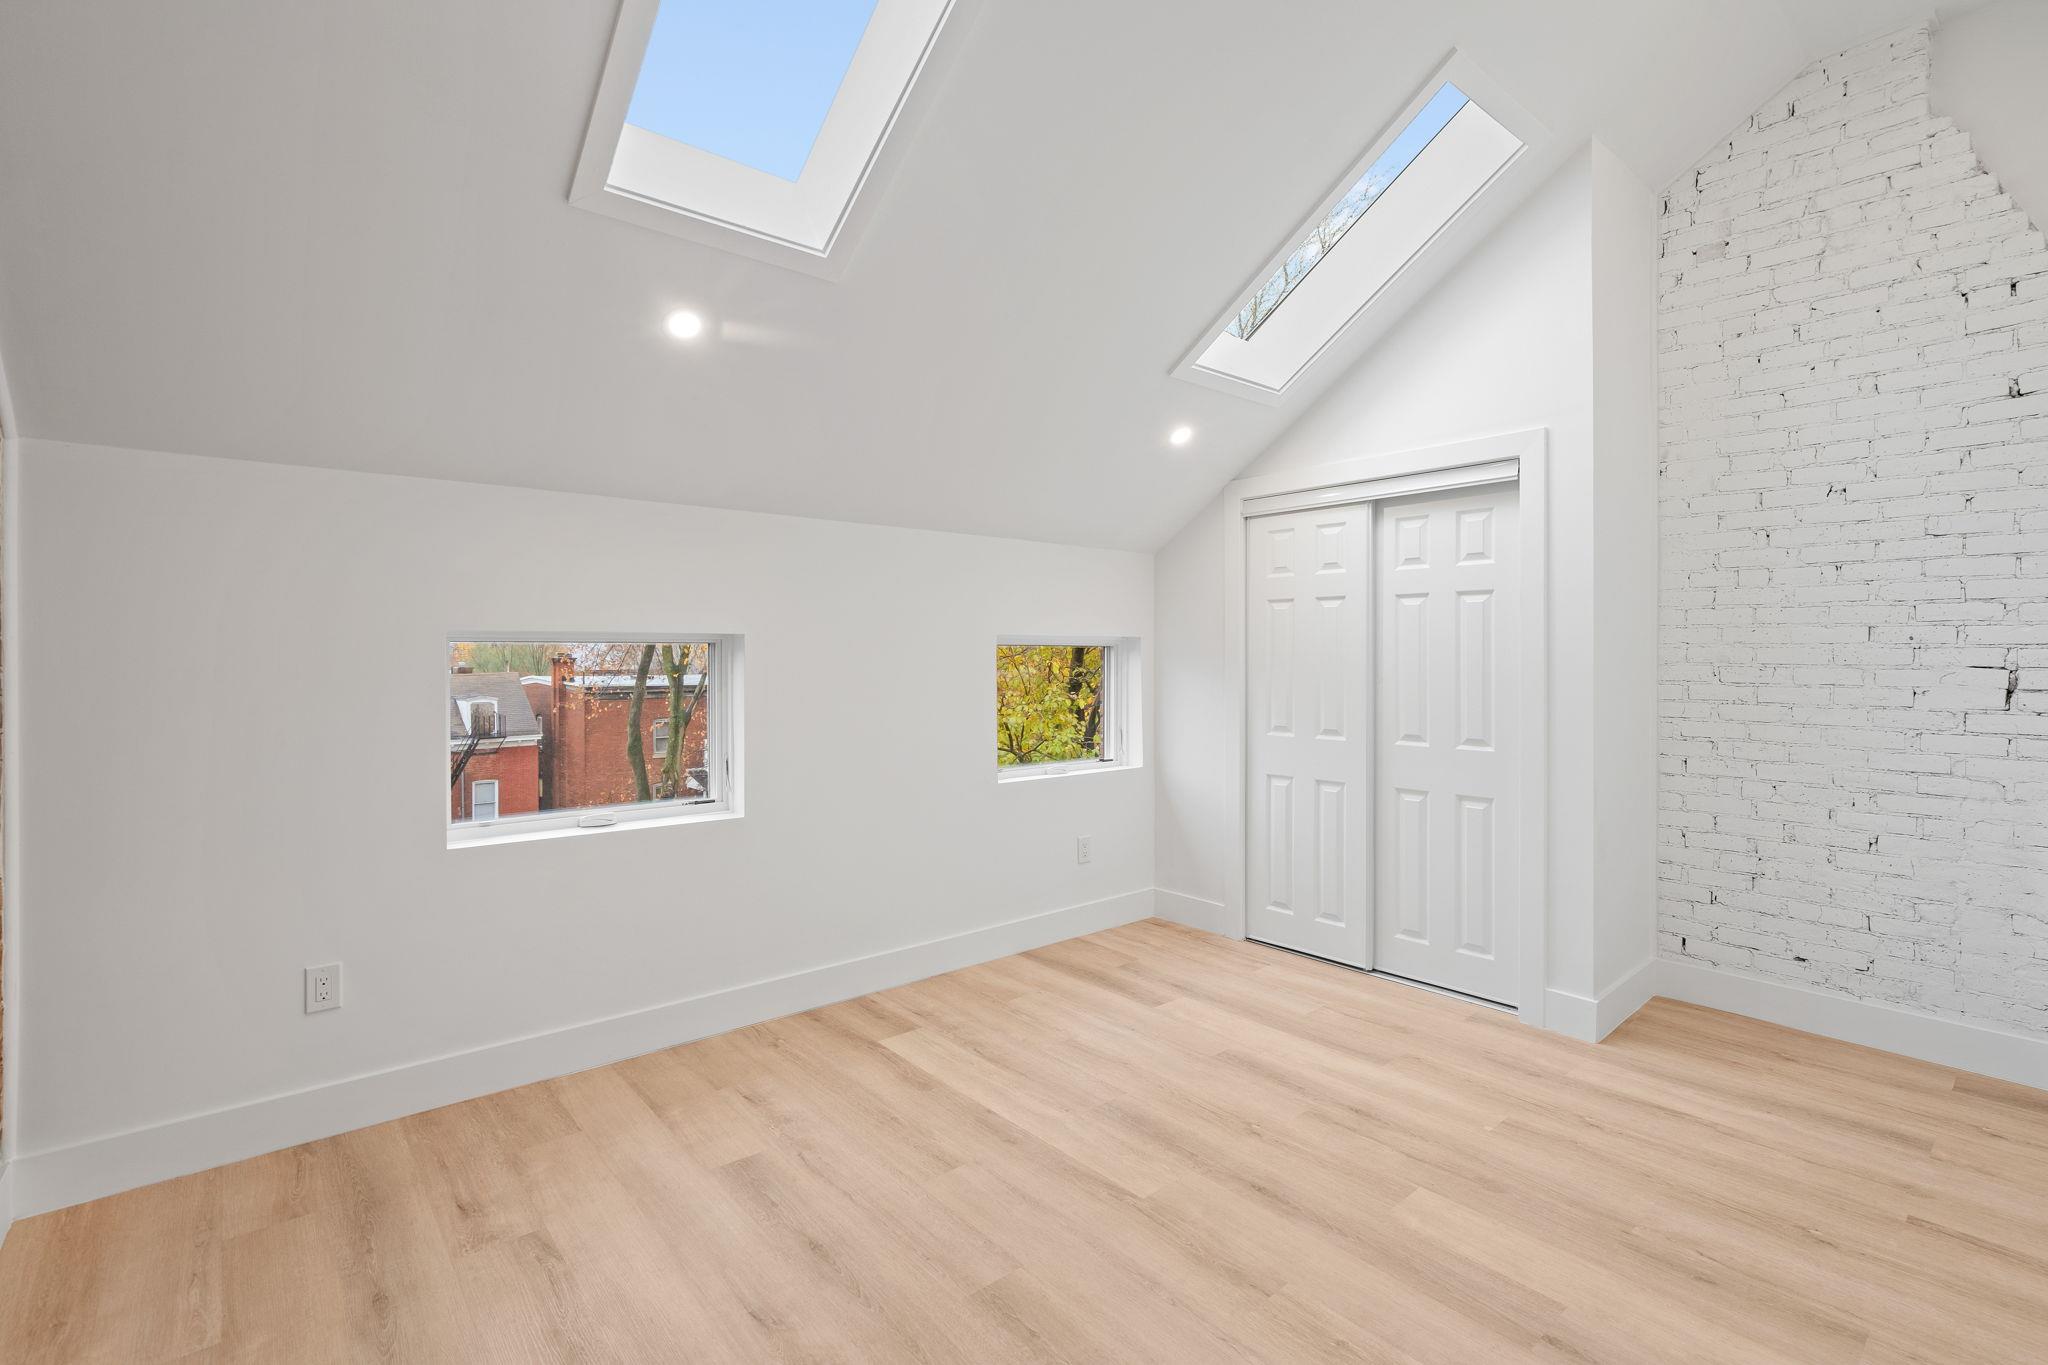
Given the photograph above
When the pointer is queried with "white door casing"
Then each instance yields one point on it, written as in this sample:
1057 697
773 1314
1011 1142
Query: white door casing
1309 719
1522 456
1447 786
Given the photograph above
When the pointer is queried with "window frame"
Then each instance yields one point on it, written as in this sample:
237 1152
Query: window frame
1122 679
626 172
1369 319
722 732
492 783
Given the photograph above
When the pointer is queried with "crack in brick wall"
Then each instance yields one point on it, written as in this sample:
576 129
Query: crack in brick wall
1853 511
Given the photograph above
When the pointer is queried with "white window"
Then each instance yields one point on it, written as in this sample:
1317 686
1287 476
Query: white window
480 715
1447 147
1064 706
648 731
752 124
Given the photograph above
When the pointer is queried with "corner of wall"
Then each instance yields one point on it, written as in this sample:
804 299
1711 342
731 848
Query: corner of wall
1986 75
10 803
1188 770
1624 382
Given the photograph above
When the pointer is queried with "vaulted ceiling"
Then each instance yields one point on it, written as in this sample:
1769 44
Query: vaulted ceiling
338 234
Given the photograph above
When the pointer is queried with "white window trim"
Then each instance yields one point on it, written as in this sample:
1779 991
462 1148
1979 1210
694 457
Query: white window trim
1479 214
1124 682
722 750
738 208
490 782
659 733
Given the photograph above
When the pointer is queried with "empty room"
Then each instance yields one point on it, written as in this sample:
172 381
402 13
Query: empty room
992 681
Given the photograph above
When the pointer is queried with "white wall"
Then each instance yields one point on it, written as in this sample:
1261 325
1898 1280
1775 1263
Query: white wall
1624 674
237 673
1988 76
1507 342
1854 323
1190 762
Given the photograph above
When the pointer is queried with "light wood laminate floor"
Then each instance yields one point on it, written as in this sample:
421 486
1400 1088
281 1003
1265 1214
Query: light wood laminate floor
1146 1145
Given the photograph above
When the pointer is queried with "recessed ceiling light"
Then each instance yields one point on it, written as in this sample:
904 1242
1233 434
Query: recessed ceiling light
684 324
1180 436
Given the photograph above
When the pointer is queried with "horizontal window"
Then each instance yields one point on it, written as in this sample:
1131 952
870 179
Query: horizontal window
586 734
1060 706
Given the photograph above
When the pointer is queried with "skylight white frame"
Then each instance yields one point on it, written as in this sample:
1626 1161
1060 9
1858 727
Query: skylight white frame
809 225
1480 89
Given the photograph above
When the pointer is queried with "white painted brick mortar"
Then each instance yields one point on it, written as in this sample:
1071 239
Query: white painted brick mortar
1853 633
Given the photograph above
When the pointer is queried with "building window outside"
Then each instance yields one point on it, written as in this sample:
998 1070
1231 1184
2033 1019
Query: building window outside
587 733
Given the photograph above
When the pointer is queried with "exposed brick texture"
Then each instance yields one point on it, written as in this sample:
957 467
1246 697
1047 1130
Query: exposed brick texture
1853 338
584 760
516 770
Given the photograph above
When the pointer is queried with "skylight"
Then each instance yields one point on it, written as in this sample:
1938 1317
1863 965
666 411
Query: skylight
750 82
752 125
1419 176
1348 210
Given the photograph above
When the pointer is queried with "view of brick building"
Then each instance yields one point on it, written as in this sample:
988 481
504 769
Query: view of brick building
583 717
524 743
493 747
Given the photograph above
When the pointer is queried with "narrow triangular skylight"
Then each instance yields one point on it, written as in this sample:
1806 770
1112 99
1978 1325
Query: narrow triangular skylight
751 124
1360 197
1419 176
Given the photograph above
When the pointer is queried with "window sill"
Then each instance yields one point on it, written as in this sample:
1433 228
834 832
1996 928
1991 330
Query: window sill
1047 771
521 832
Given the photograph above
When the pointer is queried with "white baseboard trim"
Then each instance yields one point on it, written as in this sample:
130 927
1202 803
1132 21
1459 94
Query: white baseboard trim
1626 996
1591 1018
58 1177
1573 1015
1192 911
1946 1042
6 1199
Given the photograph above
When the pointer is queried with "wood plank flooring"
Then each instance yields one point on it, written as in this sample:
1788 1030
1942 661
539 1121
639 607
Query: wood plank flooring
1146 1145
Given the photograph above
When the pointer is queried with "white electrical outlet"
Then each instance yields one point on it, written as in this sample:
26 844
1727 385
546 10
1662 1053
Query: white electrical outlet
1084 848
323 988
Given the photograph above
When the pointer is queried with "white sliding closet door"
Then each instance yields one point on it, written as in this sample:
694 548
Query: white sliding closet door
1308 727
1449 823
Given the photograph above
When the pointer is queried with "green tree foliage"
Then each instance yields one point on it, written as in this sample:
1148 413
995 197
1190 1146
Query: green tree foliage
1048 703
526 659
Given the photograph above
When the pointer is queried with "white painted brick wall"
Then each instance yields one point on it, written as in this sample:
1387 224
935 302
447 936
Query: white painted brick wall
1853 635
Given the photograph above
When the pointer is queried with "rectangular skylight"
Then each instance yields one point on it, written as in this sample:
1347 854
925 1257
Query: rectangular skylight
752 124
751 82
1348 210
1417 180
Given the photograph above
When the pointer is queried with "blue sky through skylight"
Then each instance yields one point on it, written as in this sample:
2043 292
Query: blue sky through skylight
748 80
1406 146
